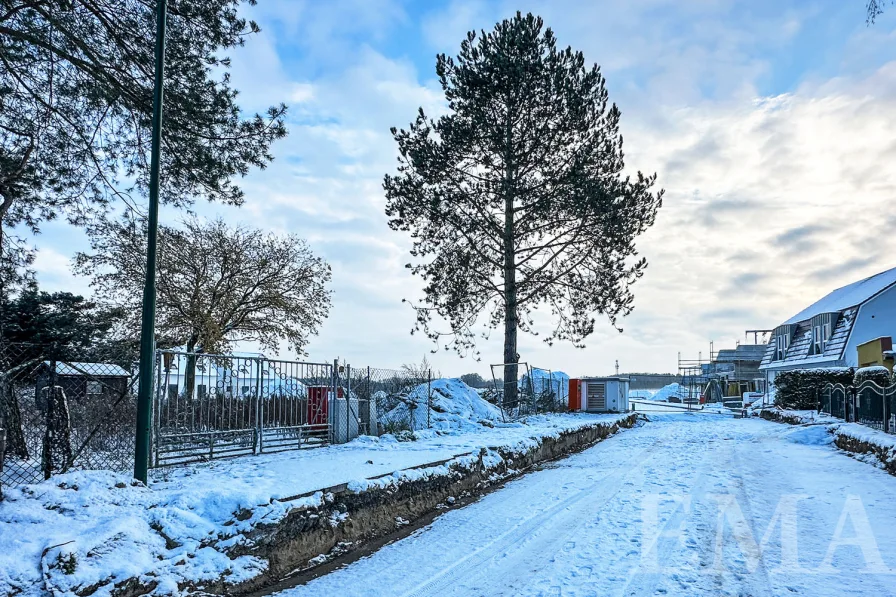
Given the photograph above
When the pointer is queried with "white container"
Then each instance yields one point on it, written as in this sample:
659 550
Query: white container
604 394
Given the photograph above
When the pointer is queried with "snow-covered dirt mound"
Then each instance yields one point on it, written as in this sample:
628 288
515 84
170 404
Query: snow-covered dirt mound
642 394
543 380
455 405
672 390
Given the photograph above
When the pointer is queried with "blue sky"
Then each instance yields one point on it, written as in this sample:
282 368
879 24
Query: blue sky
771 125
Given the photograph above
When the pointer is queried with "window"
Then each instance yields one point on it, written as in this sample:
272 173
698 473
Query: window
94 388
818 341
781 347
826 335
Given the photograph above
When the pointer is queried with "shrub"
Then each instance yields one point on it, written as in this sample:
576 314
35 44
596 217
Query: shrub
800 389
878 374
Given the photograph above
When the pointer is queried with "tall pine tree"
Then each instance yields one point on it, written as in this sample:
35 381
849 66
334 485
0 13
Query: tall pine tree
516 198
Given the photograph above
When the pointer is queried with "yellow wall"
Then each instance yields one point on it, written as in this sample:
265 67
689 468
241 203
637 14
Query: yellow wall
871 353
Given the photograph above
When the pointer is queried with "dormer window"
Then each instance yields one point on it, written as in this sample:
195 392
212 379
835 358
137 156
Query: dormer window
783 342
782 336
821 326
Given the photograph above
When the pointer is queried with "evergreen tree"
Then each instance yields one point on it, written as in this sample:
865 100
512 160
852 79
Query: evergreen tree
76 82
58 325
516 198
875 8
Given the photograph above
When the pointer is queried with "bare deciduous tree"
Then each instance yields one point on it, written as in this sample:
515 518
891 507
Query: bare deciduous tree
216 285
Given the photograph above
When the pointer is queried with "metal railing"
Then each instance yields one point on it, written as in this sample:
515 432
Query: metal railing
210 406
868 403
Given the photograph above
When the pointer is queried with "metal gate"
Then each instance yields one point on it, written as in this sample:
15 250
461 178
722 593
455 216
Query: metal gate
211 406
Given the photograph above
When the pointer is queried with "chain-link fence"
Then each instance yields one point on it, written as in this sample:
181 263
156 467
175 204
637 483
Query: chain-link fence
395 401
550 390
64 410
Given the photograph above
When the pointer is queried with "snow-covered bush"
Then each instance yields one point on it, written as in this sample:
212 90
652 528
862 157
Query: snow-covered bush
877 373
800 389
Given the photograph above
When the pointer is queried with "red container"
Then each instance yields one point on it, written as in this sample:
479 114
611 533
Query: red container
319 403
575 396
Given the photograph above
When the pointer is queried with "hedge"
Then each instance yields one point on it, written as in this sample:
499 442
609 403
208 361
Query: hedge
878 374
800 389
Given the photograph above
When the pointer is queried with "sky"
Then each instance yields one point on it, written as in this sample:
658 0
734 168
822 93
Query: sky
771 125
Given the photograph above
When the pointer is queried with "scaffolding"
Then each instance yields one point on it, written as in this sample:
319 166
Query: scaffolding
694 376
735 370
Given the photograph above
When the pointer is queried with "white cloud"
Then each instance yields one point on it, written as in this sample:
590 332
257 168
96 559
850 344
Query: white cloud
743 173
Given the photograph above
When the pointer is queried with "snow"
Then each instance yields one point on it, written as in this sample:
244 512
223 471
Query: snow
542 380
590 524
810 435
873 369
178 528
867 434
642 394
847 296
80 368
663 394
455 405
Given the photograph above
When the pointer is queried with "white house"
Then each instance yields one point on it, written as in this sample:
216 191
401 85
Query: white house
826 333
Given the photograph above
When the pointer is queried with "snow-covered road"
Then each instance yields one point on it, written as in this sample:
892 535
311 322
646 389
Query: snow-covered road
687 504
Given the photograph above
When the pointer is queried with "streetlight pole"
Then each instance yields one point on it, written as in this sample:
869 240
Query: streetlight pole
147 332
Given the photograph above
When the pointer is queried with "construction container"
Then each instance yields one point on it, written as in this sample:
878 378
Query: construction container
599 394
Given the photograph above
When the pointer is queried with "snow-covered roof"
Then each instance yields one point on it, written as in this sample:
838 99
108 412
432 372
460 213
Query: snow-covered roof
848 296
90 369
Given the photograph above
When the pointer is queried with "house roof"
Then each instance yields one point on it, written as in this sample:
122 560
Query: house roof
848 296
743 352
89 369
798 351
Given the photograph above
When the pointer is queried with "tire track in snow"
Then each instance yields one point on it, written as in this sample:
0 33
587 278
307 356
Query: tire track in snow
688 578
474 564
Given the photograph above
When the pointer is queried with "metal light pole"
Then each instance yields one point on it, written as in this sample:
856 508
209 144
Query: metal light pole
147 333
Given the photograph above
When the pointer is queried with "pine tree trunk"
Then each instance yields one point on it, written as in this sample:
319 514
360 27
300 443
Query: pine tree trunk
511 391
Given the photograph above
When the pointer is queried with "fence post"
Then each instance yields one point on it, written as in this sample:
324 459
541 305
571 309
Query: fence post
2 456
885 410
155 413
371 421
348 401
258 447
428 397
331 400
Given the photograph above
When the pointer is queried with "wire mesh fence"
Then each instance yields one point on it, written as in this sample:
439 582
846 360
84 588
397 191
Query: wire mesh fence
64 411
394 401
868 403
522 390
